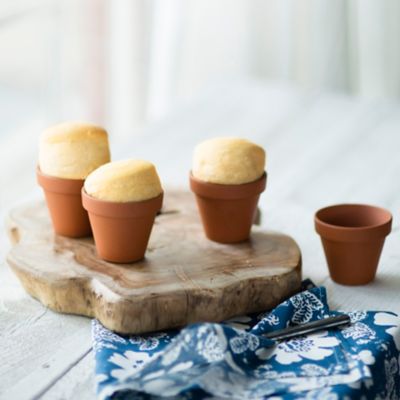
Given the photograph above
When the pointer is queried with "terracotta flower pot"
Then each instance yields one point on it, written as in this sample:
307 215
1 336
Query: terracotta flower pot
64 201
353 236
227 211
121 230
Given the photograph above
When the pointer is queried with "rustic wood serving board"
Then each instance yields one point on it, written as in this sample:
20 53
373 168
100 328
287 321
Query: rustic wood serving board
184 278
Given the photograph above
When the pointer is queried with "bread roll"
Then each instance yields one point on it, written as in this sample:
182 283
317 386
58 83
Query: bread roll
124 181
73 150
228 161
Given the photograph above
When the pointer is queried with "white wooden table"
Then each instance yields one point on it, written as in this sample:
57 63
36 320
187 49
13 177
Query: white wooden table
322 149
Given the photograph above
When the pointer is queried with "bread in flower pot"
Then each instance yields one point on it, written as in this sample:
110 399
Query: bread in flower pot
122 199
228 175
68 153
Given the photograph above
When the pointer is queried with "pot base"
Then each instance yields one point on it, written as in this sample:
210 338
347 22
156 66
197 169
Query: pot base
121 230
68 216
121 241
227 221
64 202
352 263
353 236
227 212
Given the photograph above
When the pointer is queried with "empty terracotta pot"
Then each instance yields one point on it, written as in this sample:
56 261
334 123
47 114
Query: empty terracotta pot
227 211
64 201
121 231
352 237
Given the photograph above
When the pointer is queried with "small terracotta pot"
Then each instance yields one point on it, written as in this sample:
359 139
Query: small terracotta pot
64 201
121 230
353 236
227 211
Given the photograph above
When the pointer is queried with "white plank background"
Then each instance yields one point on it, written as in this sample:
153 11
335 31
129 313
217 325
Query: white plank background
322 149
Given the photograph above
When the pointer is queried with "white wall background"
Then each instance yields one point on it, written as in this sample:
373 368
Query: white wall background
125 62
343 45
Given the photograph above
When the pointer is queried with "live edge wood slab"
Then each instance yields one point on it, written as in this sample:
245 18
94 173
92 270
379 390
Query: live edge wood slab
185 277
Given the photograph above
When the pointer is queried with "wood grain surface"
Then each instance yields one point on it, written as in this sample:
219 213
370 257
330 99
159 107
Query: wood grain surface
184 278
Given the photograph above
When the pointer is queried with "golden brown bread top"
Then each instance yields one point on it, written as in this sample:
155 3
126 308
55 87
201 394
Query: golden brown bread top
228 160
73 149
124 181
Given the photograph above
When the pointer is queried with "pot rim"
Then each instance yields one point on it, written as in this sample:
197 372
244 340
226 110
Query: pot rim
342 233
59 185
227 192
113 209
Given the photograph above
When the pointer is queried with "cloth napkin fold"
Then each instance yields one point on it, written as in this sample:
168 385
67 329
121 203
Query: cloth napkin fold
233 360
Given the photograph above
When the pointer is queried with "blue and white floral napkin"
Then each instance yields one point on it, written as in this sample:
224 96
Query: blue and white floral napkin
233 360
